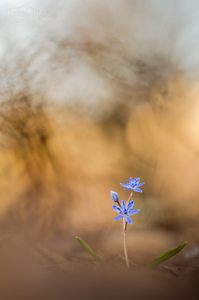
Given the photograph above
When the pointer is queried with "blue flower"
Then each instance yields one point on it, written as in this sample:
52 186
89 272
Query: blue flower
125 210
132 184
114 196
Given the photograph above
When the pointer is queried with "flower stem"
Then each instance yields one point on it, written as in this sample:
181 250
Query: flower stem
130 196
125 247
124 236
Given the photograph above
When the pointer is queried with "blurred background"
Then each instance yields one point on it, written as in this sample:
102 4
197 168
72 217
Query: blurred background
92 93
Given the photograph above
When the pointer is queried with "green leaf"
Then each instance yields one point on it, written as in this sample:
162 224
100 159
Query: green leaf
88 249
167 255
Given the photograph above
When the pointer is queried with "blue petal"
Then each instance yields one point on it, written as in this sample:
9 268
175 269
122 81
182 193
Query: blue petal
136 189
131 180
116 208
123 204
114 196
126 186
140 184
133 211
129 188
118 217
130 204
128 220
137 179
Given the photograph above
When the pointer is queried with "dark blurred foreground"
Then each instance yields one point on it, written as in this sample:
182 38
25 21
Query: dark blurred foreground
37 271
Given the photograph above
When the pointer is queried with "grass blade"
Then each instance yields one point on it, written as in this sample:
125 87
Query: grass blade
88 249
167 255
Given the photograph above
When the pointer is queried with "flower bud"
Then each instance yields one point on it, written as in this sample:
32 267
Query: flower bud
114 196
